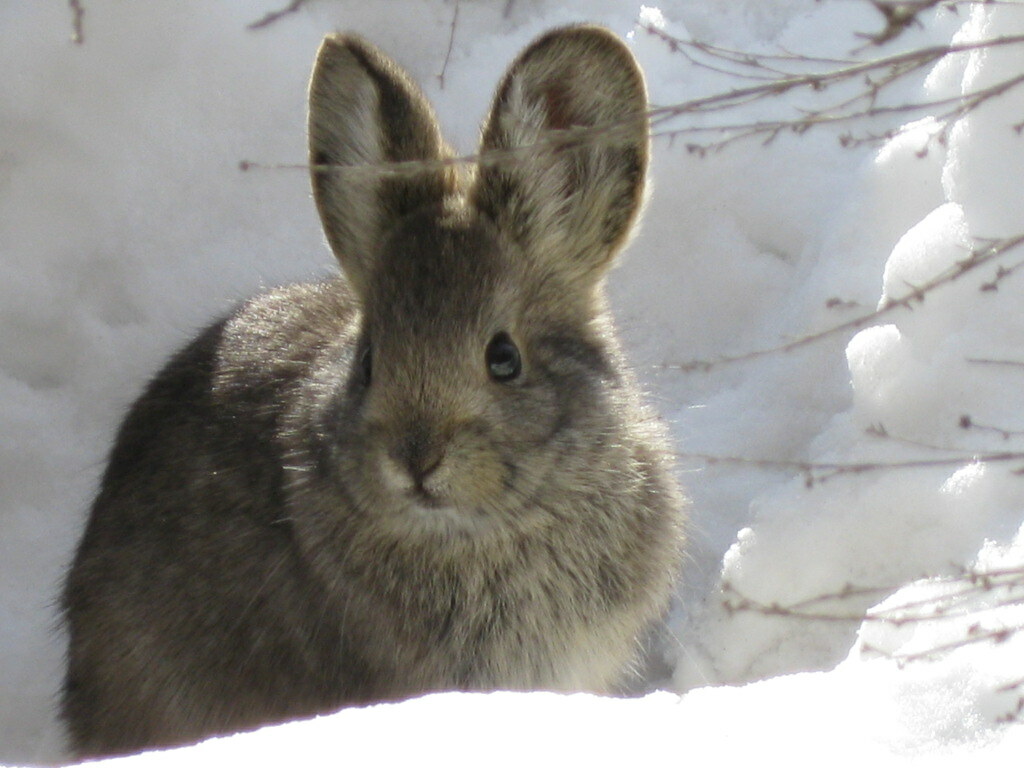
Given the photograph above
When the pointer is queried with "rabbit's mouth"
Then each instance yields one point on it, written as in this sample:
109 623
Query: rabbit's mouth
423 498
431 506
432 514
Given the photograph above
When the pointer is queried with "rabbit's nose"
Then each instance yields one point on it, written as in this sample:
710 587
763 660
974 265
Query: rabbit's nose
420 454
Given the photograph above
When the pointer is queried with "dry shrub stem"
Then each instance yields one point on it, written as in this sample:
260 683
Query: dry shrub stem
293 7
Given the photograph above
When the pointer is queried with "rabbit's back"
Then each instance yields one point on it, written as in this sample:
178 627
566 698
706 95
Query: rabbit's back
186 583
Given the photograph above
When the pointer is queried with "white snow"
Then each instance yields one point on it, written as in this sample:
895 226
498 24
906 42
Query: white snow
126 224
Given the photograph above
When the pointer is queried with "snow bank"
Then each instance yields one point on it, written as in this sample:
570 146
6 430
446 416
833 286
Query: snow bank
919 395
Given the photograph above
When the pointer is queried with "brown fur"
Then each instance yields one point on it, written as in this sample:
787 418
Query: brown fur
328 498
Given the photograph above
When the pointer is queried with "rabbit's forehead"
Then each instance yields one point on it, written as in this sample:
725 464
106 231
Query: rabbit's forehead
441 273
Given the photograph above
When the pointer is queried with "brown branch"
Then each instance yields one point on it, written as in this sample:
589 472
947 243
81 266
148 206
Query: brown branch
955 605
906 62
451 43
978 636
1003 273
77 21
966 422
1011 686
270 18
611 133
977 259
819 472
773 80
1008 363
895 67
843 112
878 430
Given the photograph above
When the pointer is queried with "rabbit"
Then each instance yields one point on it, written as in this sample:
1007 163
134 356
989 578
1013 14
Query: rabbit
431 472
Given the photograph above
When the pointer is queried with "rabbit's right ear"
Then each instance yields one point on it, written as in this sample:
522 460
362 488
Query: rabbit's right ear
364 113
564 152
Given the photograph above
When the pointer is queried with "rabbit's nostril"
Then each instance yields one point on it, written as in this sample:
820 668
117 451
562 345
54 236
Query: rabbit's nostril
414 474
420 454
421 471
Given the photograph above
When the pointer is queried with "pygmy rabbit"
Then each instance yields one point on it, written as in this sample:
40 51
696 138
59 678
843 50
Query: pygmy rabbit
431 473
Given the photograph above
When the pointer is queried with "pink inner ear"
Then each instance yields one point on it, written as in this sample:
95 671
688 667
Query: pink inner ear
560 117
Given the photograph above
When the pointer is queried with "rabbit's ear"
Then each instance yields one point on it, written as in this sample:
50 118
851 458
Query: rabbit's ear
576 104
364 113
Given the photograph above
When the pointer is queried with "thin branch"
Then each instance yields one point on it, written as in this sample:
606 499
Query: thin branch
972 638
977 259
612 131
907 62
878 430
1003 273
1007 363
819 472
746 59
77 21
966 422
1011 686
1002 588
959 106
772 80
270 18
451 43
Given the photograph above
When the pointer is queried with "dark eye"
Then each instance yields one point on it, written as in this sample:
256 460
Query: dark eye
366 365
503 360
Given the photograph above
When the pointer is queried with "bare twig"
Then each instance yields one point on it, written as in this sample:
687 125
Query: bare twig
1003 273
879 431
978 635
611 134
849 70
965 597
1008 363
977 259
736 602
775 75
955 603
818 472
451 42
77 21
966 422
881 73
270 18
1011 686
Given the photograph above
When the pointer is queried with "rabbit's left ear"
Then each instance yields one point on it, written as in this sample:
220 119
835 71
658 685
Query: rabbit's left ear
364 115
564 151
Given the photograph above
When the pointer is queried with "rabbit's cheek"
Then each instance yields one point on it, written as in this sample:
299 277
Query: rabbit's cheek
394 476
479 477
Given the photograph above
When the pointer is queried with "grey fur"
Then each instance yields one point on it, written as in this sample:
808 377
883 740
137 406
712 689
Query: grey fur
326 499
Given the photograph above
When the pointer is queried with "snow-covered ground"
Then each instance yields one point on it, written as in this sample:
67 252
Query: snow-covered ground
126 224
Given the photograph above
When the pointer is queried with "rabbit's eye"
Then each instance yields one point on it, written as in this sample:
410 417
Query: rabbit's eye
366 365
503 360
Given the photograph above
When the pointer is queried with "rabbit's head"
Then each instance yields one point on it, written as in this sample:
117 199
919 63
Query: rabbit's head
484 383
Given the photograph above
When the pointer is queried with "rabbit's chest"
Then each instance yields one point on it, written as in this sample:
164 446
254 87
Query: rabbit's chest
526 625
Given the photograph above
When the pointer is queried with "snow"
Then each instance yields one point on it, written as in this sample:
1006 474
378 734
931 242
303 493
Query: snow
126 224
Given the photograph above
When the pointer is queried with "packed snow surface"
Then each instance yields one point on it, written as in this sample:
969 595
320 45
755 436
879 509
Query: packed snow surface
824 613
